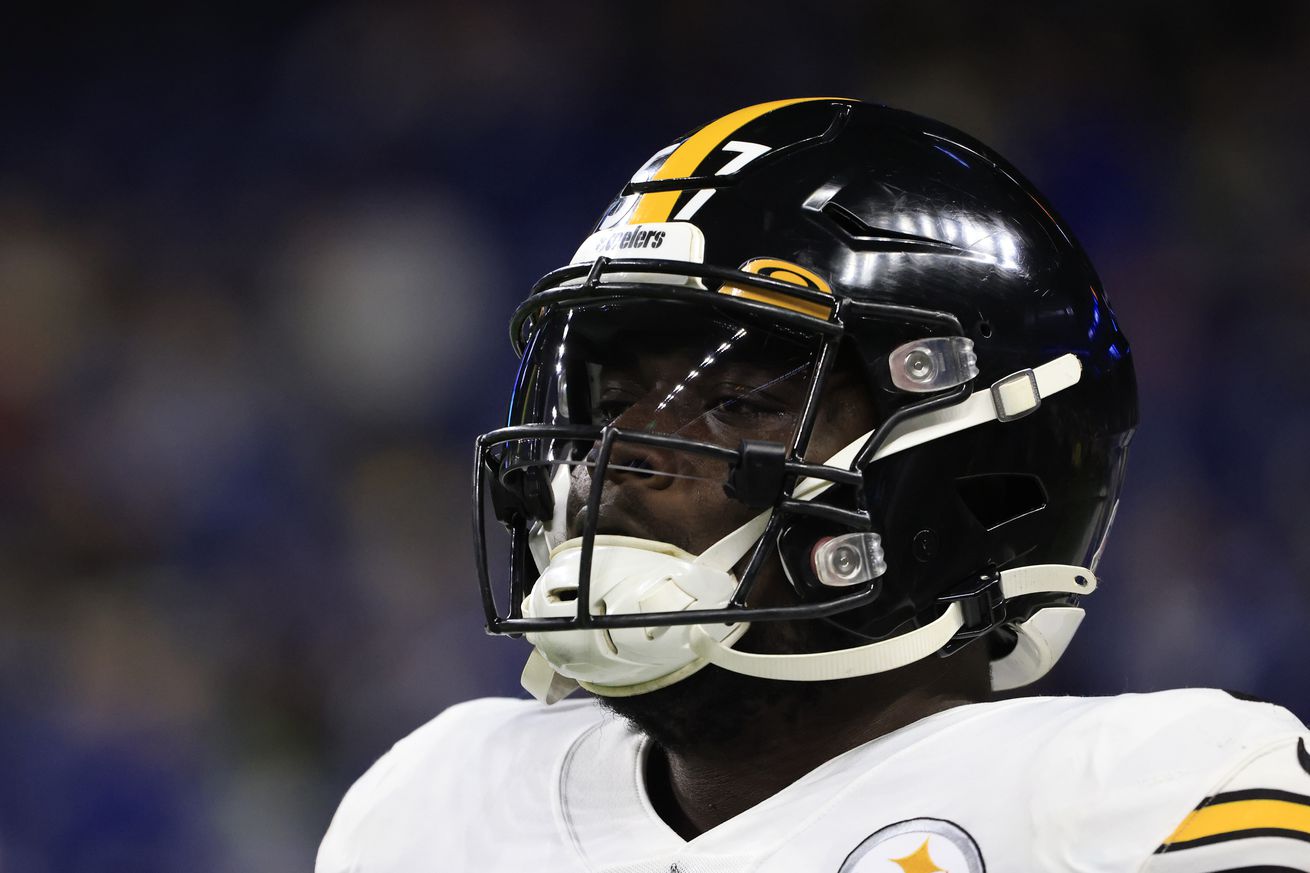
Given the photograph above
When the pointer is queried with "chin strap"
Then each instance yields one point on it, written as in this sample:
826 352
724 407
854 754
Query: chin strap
900 650
1013 397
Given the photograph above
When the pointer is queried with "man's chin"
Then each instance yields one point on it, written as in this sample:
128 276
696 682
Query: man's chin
709 709
714 707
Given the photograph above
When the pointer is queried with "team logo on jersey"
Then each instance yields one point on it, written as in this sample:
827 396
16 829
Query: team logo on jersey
919 845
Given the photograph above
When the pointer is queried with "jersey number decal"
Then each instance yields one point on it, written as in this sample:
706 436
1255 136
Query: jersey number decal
746 152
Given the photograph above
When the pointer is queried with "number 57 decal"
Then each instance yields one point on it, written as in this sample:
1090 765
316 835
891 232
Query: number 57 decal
746 152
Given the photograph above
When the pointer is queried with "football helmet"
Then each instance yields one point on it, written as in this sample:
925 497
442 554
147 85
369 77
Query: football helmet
791 274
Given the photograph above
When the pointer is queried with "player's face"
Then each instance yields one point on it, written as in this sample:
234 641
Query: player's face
690 510
753 390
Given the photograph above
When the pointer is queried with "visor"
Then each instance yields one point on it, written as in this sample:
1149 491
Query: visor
659 368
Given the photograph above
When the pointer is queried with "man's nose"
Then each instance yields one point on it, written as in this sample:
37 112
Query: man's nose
636 464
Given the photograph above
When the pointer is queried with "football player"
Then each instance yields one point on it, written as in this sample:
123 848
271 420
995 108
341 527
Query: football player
814 447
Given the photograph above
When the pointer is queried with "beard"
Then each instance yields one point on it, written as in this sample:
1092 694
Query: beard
715 707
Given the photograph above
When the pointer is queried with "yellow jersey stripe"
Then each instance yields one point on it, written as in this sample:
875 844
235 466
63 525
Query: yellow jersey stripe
1242 815
658 205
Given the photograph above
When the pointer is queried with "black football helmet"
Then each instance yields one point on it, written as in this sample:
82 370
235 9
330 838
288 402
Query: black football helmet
766 253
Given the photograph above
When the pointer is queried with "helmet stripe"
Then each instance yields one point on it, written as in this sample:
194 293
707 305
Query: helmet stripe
658 205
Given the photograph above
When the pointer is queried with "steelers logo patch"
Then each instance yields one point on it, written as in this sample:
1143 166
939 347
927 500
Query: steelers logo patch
920 845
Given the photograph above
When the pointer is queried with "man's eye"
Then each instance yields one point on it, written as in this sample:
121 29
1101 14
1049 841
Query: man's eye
609 409
745 404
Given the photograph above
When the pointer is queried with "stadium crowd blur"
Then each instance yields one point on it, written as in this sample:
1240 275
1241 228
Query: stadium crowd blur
255 271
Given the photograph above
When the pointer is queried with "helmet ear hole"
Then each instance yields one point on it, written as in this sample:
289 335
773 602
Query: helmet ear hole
999 498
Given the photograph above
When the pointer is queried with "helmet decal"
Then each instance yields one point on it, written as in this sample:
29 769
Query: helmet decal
687 158
783 271
677 241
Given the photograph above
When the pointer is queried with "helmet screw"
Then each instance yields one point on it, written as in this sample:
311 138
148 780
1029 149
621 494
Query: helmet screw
919 365
925 545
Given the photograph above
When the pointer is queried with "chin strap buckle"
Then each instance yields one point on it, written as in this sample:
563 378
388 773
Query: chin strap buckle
982 608
1016 395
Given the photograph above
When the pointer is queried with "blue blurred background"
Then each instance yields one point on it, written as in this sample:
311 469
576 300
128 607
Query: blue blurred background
255 269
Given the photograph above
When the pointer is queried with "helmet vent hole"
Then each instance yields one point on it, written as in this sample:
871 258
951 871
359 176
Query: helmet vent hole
859 230
984 329
1000 498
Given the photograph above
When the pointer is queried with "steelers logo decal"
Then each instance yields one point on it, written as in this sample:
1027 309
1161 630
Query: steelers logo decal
783 271
920 845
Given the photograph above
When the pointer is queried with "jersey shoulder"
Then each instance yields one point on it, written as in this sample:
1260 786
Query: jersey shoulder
452 762
1156 732
1254 815
1203 721
1116 776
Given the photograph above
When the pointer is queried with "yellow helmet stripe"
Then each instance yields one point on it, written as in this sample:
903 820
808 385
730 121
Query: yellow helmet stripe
658 205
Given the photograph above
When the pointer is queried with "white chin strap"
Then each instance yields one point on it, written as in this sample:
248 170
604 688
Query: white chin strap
632 576
1036 652
1010 398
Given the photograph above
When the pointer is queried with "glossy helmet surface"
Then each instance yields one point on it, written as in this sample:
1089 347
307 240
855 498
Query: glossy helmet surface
864 229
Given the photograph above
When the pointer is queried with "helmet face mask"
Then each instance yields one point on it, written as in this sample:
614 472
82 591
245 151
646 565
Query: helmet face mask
665 391
698 398
666 367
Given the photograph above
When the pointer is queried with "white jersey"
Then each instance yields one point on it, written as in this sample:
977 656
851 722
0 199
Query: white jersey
1175 781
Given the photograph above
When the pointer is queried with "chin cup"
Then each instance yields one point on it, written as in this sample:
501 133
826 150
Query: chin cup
849 559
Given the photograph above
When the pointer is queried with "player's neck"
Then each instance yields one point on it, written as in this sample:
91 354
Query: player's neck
697 787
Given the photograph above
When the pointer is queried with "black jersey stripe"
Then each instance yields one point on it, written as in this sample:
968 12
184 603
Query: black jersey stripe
1255 794
1263 868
